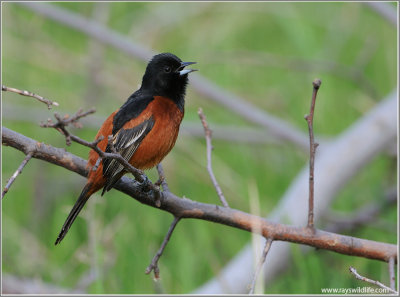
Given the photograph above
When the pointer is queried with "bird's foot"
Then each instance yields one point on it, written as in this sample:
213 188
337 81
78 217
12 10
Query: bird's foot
146 186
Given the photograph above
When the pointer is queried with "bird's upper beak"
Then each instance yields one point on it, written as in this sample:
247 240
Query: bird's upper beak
182 71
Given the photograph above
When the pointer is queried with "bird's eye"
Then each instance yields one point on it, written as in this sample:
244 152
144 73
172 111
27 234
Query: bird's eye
167 69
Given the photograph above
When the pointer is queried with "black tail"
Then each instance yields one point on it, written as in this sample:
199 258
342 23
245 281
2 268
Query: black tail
79 204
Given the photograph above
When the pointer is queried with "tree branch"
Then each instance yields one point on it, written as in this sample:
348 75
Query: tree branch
392 274
374 282
186 208
30 94
260 264
208 133
154 263
16 173
313 146
65 121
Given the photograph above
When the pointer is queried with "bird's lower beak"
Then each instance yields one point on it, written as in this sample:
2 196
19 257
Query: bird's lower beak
183 71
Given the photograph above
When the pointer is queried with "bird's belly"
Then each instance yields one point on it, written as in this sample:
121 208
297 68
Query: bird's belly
152 150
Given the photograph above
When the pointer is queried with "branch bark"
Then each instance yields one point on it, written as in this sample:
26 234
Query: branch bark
186 208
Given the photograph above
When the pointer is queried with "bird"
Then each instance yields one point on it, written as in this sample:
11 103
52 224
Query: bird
143 130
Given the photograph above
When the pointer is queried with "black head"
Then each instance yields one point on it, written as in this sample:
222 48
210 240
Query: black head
166 76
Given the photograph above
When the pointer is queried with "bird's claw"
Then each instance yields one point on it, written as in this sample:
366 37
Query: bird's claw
145 184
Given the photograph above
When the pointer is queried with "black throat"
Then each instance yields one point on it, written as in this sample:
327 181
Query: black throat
174 90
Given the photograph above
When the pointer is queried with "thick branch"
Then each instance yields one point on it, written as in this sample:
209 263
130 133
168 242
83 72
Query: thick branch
186 208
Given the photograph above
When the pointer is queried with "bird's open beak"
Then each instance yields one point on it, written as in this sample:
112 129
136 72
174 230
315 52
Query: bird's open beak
183 71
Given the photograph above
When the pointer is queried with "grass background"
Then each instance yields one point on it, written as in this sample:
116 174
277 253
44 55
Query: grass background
268 53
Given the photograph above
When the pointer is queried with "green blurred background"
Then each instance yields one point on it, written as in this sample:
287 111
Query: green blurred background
268 53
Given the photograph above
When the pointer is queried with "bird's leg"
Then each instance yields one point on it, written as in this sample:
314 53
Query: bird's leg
146 186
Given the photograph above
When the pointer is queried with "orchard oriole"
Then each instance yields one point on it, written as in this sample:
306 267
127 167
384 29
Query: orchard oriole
144 129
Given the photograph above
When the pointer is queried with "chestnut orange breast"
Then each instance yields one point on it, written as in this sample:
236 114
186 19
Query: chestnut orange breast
162 137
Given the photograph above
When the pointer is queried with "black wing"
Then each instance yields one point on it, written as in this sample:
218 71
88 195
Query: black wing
131 109
126 142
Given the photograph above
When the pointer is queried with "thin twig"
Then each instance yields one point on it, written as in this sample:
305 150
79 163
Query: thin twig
392 274
313 146
260 264
371 281
154 263
30 94
62 122
208 134
16 173
77 116
162 181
